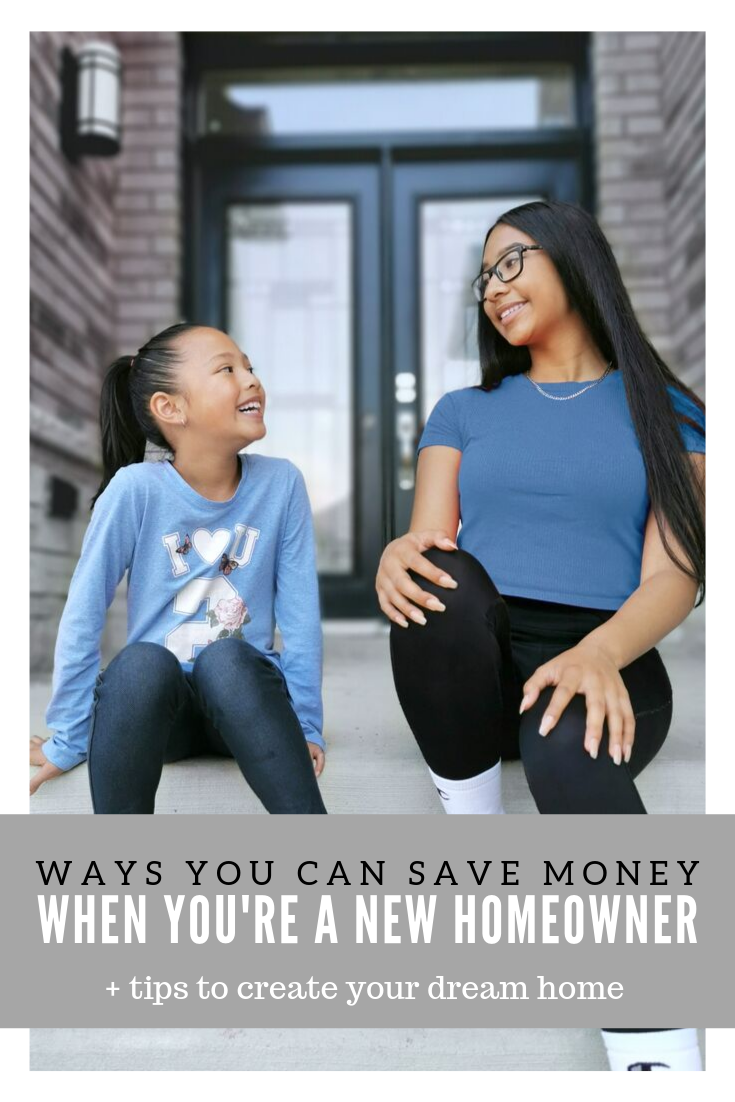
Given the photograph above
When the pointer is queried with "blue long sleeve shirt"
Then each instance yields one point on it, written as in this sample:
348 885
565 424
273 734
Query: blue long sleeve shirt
198 570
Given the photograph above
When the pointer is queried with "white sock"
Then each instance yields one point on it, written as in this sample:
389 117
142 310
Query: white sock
664 1050
480 795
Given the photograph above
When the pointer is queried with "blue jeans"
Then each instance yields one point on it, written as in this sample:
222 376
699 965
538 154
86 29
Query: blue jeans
149 710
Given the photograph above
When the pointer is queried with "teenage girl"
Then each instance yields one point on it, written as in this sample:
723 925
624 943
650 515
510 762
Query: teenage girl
218 548
576 468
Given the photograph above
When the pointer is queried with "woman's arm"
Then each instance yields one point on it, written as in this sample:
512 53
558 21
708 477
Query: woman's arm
436 499
434 523
663 599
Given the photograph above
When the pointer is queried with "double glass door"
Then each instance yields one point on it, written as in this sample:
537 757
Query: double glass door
348 286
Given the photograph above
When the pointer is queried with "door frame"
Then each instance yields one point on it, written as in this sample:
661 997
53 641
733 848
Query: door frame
205 155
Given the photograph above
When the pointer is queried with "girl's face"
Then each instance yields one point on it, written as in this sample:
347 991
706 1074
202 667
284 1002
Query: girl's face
538 287
220 395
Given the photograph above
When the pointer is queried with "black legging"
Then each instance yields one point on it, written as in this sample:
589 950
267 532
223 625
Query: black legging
459 681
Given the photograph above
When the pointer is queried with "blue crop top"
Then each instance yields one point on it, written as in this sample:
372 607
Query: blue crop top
553 495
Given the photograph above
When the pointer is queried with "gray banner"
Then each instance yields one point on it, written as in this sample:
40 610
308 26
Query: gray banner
478 921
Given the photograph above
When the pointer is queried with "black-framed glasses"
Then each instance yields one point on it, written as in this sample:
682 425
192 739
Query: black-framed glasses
507 268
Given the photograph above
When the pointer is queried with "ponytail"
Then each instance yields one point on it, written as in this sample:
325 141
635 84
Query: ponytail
123 440
126 422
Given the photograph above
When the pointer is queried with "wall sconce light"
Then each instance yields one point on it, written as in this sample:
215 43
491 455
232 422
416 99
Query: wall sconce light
90 101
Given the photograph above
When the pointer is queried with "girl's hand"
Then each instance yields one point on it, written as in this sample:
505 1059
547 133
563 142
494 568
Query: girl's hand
317 757
46 770
589 670
395 588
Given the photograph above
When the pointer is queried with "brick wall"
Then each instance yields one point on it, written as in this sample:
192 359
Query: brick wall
683 107
104 274
146 266
72 241
649 101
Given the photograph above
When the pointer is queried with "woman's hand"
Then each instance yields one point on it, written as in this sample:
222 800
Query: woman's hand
46 770
317 757
589 670
395 588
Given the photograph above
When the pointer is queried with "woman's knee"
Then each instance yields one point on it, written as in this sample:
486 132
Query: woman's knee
555 761
474 601
468 572
563 777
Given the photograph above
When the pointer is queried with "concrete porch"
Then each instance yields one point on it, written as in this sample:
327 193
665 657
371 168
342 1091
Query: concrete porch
373 764
319 1050
374 768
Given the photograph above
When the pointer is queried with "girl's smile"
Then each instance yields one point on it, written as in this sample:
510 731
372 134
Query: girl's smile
219 391
507 313
252 406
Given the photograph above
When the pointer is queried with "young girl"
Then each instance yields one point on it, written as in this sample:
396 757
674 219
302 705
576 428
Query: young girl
219 547
579 467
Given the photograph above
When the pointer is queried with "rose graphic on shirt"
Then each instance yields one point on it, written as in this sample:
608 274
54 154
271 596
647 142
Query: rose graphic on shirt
231 615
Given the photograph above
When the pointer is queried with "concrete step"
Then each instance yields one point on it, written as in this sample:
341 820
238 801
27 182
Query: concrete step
318 1049
373 763
373 766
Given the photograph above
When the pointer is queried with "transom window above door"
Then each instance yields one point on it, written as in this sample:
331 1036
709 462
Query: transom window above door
406 98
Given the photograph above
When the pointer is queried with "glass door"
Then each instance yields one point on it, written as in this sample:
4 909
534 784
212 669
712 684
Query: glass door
289 302
441 213
292 261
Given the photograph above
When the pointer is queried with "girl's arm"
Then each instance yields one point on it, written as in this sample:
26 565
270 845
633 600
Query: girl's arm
298 614
107 550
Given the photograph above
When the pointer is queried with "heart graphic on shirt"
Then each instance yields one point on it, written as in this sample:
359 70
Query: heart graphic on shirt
210 545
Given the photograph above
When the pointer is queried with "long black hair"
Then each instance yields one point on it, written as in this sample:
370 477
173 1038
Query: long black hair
126 422
587 267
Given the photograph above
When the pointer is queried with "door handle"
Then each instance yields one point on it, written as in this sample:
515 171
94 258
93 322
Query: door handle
406 440
405 383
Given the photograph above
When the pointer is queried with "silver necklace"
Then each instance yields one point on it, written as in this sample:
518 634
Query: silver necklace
567 397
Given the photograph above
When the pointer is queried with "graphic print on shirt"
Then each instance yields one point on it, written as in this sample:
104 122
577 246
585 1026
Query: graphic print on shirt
227 565
225 612
176 552
210 545
248 537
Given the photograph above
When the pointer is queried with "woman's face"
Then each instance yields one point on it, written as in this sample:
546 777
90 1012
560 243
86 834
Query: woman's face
538 287
221 395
